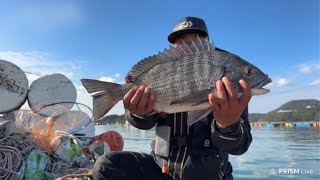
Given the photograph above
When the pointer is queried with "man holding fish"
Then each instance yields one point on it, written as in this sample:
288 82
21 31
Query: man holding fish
198 122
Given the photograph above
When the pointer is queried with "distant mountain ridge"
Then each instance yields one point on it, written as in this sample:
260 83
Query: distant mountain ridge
306 110
112 119
255 117
299 104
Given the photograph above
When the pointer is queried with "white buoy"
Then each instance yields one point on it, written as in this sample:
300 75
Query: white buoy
49 90
13 87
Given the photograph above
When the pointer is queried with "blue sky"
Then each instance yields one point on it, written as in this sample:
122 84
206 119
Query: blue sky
104 39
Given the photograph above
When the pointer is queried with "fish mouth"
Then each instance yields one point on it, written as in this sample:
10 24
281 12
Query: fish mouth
258 88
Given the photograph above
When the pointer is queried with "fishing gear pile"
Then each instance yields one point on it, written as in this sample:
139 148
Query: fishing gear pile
36 138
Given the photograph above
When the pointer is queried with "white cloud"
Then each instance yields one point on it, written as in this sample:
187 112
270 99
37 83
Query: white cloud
83 96
316 67
282 82
309 68
305 69
315 83
36 64
39 63
24 59
289 85
32 77
117 75
107 79
114 79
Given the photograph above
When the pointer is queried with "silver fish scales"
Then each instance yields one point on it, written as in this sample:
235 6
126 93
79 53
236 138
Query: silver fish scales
180 79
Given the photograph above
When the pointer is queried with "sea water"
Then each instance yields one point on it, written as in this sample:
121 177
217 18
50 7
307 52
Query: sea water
275 153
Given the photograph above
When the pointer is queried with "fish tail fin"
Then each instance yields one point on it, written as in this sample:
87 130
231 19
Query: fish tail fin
105 95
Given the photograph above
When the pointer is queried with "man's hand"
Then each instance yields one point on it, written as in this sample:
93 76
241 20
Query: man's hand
227 112
139 101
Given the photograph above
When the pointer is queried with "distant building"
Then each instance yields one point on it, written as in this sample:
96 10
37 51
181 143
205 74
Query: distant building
309 107
284 111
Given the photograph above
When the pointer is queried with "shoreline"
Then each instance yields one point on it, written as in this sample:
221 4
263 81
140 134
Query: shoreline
285 124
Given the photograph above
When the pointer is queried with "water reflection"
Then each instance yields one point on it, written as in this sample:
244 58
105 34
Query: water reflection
271 149
279 148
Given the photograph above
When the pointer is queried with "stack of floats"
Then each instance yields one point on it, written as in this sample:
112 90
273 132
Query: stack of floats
50 95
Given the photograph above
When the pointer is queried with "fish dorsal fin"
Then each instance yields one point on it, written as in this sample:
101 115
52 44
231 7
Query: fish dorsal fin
212 46
195 47
186 47
168 55
199 43
181 50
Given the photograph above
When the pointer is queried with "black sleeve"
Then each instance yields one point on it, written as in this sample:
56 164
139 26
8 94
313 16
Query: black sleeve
235 139
145 122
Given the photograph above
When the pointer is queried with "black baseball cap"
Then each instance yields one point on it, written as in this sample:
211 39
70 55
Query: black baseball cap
188 25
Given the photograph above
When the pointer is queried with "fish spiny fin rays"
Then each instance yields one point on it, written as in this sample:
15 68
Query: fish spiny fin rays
168 55
106 95
200 44
163 56
212 46
175 52
195 116
195 47
184 52
186 47
148 63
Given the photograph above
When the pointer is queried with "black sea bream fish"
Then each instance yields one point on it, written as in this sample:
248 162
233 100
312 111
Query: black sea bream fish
180 79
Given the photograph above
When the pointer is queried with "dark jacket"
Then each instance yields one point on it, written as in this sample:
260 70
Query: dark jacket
201 150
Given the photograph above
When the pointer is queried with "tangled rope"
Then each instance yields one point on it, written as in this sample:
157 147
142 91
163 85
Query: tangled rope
12 155
56 167
12 164
23 146
87 175
14 150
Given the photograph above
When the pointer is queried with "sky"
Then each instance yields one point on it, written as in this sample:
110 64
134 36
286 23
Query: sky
104 39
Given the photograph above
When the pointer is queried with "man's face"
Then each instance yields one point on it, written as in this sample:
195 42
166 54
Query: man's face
188 38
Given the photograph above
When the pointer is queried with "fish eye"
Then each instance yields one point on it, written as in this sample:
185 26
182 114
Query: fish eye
248 71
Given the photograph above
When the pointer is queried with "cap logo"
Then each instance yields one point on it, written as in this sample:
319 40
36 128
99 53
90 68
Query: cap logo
186 24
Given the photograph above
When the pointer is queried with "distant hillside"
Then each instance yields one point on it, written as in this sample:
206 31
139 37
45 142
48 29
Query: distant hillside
254 117
295 111
112 119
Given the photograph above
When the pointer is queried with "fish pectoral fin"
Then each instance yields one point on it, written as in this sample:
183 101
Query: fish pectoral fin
195 116
193 99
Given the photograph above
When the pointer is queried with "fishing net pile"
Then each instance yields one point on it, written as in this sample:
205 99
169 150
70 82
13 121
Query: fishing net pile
21 157
38 142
